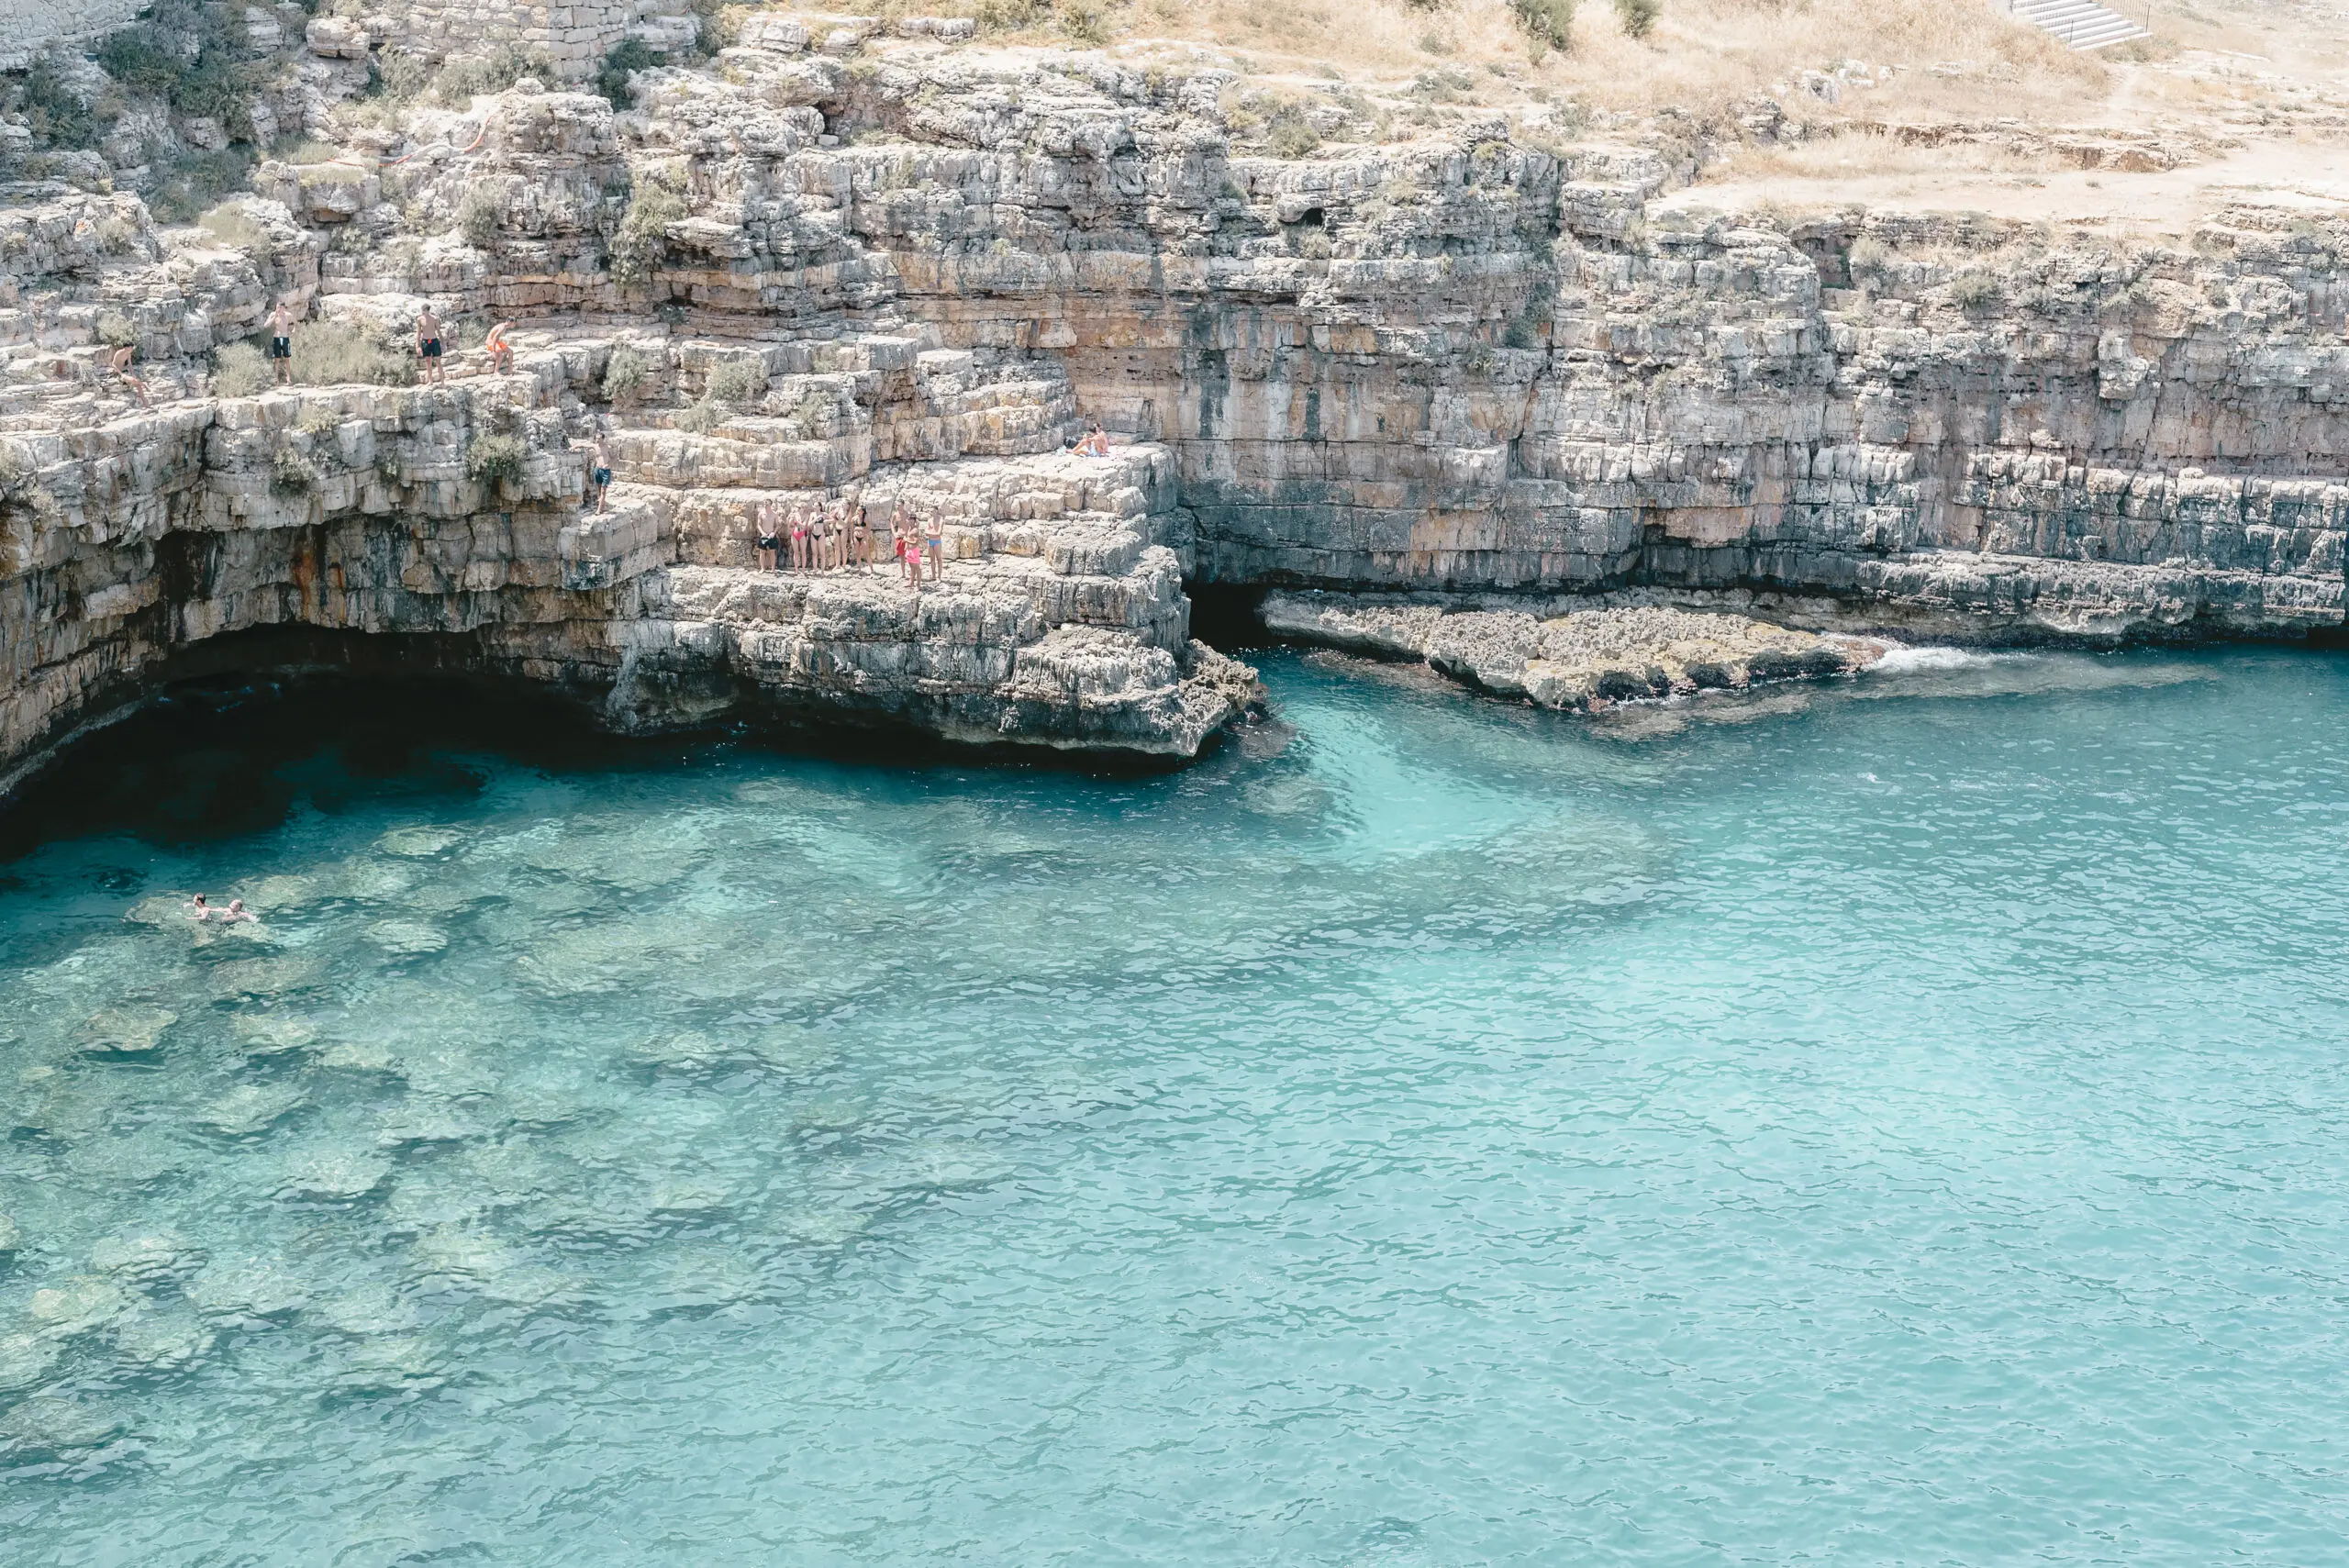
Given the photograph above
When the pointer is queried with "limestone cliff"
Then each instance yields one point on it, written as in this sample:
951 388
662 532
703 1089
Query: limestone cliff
1470 364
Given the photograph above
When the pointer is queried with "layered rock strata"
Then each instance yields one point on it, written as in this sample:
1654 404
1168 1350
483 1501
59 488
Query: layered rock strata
1574 655
1474 363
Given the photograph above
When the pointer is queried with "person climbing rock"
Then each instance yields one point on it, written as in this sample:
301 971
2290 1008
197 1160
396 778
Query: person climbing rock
118 362
501 352
427 347
281 341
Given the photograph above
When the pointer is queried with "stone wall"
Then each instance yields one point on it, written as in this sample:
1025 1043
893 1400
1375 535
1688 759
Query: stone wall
27 26
574 35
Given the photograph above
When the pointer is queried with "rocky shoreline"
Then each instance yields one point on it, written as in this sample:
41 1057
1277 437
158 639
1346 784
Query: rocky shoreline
1578 659
1475 366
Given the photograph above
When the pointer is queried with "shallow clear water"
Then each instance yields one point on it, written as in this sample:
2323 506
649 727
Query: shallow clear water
1900 1121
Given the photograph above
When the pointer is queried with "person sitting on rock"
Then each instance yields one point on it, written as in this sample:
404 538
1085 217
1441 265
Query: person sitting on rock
501 352
281 341
768 544
119 363
427 347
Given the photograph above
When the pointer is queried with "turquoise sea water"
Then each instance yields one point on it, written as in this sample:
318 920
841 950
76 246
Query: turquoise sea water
1900 1121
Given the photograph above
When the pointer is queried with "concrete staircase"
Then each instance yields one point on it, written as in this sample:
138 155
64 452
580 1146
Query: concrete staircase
2079 24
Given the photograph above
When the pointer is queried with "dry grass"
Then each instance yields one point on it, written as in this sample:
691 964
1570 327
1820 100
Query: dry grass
1847 153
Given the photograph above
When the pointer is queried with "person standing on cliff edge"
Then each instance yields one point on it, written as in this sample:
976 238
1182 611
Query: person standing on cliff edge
281 341
427 346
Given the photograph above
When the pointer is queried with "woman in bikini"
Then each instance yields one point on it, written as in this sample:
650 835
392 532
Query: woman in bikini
908 528
860 537
798 537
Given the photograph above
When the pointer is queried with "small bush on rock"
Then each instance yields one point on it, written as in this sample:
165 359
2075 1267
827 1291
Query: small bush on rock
1549 23
461 80
478 216
657 202
625 373
493 458
330 353
738 381
700 418
1638 16
629 57
1291 134
240 371
54 111
1975 291
1010 16
290 473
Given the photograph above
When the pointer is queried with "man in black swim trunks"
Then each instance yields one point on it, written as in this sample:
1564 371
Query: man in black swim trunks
427 346
281 341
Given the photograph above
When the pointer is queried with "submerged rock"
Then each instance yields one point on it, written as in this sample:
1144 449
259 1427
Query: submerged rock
338 1177
129 1032
1580 661
409 938
249 1109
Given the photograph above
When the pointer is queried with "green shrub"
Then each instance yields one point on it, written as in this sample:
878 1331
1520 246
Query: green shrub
461 80
233 226
1082 21
303 150
737 380
115 329
318 422
290 473
655 204
153 57
478 216
330 353
55 112
401 78
1010 16
493 458
188 184
624 372
1638 16
240 371
1975 290
1549 23
700 418
1292 135
629 56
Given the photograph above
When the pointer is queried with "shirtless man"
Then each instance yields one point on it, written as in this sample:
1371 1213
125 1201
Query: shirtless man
281 341
235 912
202 910
599 469
768 542
427 347
119 363
933 545
501 352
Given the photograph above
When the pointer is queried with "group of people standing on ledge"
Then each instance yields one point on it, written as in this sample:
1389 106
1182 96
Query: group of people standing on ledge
835 536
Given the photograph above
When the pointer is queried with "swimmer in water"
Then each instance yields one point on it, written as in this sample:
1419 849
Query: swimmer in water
236 912
202 911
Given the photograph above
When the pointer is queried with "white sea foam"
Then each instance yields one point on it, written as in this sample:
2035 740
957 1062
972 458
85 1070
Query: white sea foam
1934 658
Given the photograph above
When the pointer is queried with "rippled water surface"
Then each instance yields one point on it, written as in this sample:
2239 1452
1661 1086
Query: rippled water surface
1896 1122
